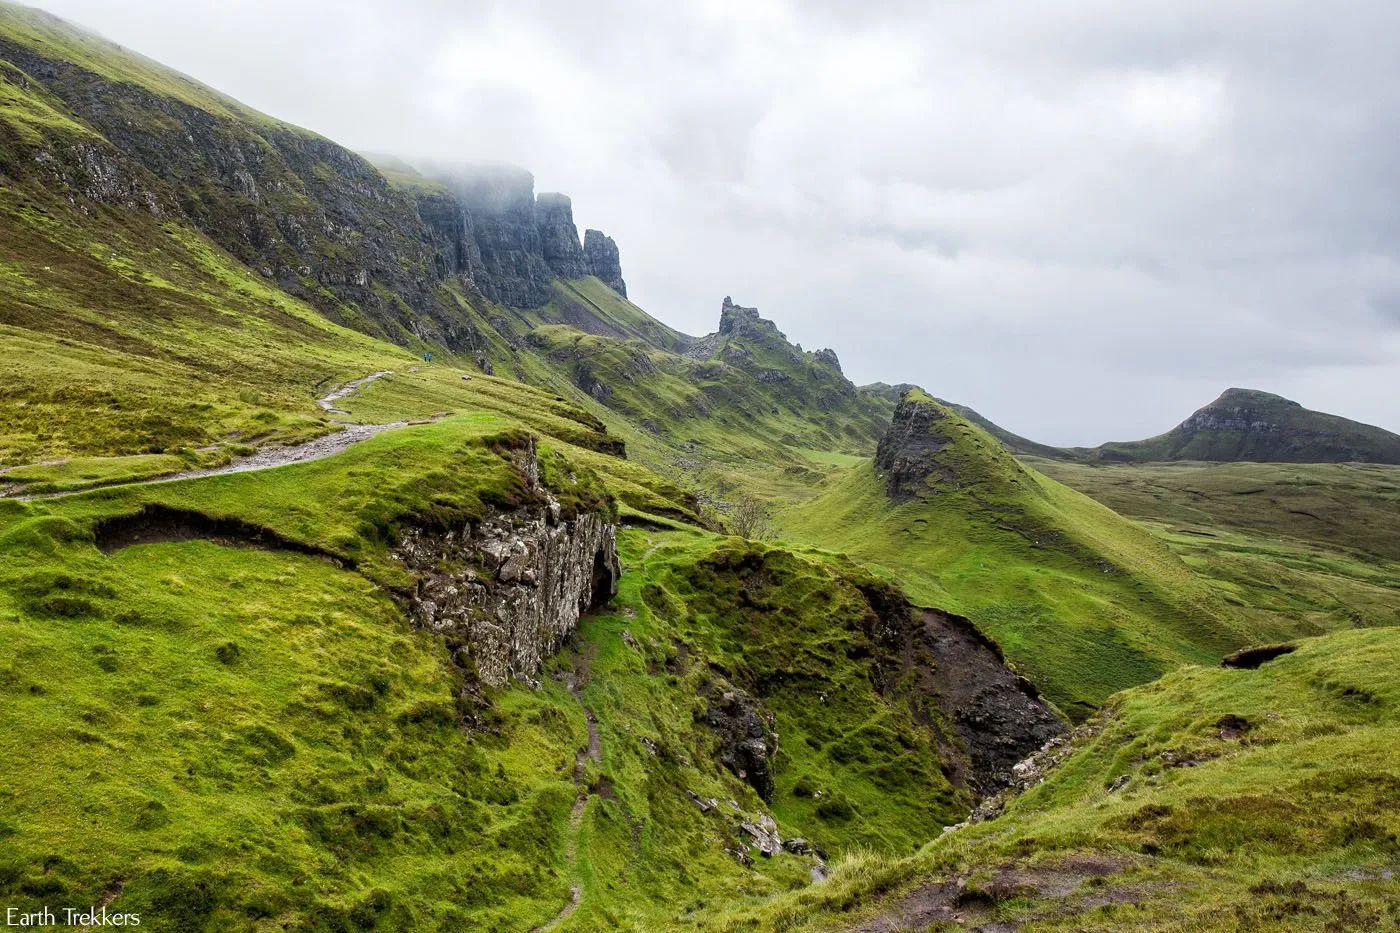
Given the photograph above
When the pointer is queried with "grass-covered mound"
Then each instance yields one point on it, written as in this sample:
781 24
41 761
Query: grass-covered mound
1212 799
1084 602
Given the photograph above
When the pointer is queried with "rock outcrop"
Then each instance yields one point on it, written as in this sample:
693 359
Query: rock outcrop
747 738
828 356
603 260
740 322
554 218
509 242
907 454
507 590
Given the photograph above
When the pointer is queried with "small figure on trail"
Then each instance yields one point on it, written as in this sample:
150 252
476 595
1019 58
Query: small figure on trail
427 357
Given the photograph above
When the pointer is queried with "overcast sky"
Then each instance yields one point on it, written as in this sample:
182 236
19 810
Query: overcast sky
1084 219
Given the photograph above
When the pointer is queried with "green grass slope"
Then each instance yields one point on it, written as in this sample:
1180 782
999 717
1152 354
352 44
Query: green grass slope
256 739
1211 800
1084 602
1312 542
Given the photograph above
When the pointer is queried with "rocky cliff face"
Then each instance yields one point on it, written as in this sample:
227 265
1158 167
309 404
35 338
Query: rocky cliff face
507 590
906 455
305 212
314 217
601 256
554 218
510 243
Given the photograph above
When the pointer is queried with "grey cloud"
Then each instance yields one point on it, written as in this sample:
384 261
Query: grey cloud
1083 218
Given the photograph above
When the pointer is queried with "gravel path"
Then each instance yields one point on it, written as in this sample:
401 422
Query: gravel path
327 401
270 457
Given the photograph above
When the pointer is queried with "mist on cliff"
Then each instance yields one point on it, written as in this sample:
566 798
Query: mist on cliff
1083 219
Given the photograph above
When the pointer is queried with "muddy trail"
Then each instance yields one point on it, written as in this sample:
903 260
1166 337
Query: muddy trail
267 458
593 752
1075 886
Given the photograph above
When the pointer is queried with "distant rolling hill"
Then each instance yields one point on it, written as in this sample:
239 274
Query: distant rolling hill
1241 425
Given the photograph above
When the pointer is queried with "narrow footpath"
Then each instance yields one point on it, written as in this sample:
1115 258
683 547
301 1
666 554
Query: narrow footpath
269 457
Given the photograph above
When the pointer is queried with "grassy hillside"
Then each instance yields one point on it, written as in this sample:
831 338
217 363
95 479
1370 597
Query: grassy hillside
266 742
221 717
1315 543
1084 602
1246 424
1212 799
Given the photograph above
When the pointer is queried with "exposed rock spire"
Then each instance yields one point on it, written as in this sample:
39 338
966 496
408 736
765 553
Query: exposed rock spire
603 260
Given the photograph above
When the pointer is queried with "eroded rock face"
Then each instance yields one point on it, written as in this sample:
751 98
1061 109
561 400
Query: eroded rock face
998 715
554 217
508 590
747 738
601 255
906 454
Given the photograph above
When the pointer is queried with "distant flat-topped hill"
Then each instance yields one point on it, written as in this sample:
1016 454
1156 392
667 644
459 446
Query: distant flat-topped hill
1246 424
1240 425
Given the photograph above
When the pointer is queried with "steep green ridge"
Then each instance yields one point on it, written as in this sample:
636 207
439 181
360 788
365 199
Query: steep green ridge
1083 601
1212 799
1012 442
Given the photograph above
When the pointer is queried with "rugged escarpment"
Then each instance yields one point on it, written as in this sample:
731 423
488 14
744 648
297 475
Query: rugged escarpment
510 243
603 260
103 128
507 589
314 217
